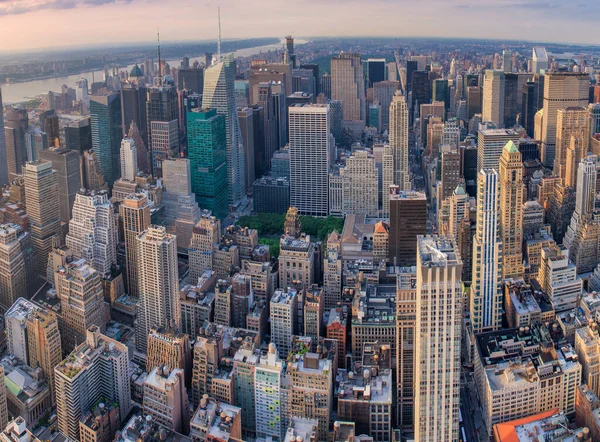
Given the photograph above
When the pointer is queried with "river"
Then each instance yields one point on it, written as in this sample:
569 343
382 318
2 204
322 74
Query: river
19 92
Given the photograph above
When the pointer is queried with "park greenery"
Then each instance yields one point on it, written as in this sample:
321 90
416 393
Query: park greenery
271 225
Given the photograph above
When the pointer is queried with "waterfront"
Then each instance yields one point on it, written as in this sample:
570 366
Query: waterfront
27 90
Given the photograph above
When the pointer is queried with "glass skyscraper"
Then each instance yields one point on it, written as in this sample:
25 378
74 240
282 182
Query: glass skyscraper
207 152
105 111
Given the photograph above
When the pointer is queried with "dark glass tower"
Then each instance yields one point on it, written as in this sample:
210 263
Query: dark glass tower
105 112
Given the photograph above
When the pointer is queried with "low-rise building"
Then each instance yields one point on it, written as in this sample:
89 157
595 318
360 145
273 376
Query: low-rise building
216 421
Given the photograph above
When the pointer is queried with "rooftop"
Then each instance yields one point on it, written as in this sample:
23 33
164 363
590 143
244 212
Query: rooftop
145 429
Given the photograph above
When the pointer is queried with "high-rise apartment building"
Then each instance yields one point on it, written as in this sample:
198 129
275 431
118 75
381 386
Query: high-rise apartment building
206 233
558 278
135 214
207 151
332 271
561 90
310 156
486 290
437 339
15 272
399 141
97 369
4 179
408 220
66 162
219 94
512 197
572 142
79 288
167 347
268 387
107 133
166 399
283 313
360 176
93 231
490 143
129 159
43 210
348 85
493 97
451 167
158 283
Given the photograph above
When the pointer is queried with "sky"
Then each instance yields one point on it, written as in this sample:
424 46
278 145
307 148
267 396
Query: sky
33 24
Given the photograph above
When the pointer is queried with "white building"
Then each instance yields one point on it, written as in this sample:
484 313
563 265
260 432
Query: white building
283 314
493 97
399 141
129 163
267 390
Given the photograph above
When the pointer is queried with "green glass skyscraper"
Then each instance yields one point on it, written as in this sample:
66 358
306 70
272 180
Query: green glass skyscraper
207 152
105 112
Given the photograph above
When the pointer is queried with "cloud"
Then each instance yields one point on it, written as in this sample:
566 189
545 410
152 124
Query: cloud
16 7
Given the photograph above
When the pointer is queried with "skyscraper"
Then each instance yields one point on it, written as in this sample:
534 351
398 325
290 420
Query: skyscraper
512 197
207 151
162 111
105 112
399 141
41 198
166 399
561 90
348 85
97 369
68 174
206 233
14 274
3 158
507 64
219 94
135 214
129 159
133 105
572 142
267 390
493 97
158 283
437 339
490 143
310 157
408 220
486 290
539 59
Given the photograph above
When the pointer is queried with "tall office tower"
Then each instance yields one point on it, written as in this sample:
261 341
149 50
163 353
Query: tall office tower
458 211
105 112
66 164
585 199
129 159
490 143
572 142
219 94
399 141
267 389
493 97
360 175
34 338
4 179
420 88
311 376
43 210
158 284
78 135
512 197
192 79
374 70
408 220
513 97
207 151
270 121
474 101
348 85
97 369
135 214
15 275
313 312
296 261
562 90
166 399
387 179
437 339
451 134
244 367
162 122
206 233
310 157
441 92
93 231
383 92
49 124
539 60
133 105
143 162
325 86
16 126
507 63
406 302
79 288
246 118
594 111
283 316
450 170
558 278
332 271
486 290
168 348
181 209
529 107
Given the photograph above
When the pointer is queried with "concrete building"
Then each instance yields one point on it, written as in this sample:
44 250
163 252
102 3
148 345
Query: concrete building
493 97
97 368
360 184
206 233
437 339
283 314
558 278
267 388
296 260
158 283
169 348
572 142
100 423
17 267
347 85
135 214
216 421
399 141
490 143
129 159
165 398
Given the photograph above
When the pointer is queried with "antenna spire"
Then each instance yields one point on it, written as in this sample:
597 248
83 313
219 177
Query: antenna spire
219 40
159 62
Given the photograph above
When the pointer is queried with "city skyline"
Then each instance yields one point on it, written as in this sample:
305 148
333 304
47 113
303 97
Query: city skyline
97 20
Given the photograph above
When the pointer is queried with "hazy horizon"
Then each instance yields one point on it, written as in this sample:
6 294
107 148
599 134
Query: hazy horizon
82 23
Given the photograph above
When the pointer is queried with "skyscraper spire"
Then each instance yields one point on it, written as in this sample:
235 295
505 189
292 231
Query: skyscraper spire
159 66
219 40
